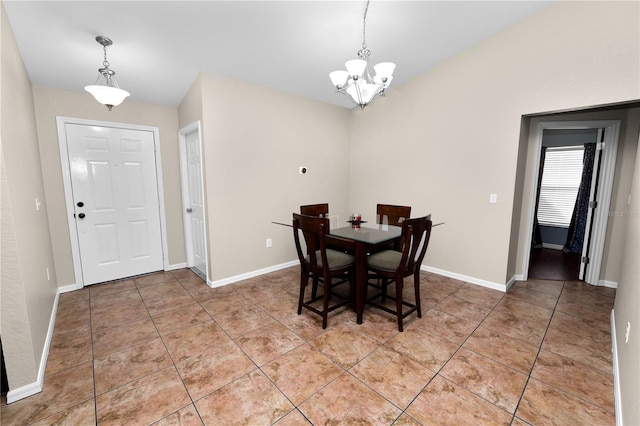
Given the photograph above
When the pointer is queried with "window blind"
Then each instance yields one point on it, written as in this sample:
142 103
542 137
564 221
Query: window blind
561 178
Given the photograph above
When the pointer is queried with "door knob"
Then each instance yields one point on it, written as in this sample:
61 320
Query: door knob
189 210
81 215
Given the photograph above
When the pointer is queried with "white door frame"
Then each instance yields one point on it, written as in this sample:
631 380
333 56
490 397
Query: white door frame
184 182
68 193
605 186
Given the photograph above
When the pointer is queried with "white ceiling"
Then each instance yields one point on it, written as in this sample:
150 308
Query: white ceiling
161 46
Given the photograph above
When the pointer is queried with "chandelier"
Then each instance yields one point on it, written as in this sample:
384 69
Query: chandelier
106 90
356 82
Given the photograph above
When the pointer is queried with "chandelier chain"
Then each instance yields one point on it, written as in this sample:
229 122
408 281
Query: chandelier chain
364 26
105 62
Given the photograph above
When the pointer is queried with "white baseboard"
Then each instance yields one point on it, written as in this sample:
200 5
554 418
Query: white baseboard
235 279
176 266
36 387
616 373
610 284
471 280
552 246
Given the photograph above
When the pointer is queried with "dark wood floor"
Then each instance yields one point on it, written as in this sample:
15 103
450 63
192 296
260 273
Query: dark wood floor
549 264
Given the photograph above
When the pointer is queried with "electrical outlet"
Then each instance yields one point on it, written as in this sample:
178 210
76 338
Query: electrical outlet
269 243
493 198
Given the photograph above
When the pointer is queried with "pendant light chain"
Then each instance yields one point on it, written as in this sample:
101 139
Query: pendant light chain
364 26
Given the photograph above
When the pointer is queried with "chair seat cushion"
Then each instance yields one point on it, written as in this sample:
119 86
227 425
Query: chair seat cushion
386 260
336 259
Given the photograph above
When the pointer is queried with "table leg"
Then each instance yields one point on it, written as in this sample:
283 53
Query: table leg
361 280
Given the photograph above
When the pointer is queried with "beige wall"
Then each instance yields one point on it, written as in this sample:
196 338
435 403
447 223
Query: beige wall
27 296
254 141
626 306
450 137
50 103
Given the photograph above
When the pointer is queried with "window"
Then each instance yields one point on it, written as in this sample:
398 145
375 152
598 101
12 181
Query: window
559 187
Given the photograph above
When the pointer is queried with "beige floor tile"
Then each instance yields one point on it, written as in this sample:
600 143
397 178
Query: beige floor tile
187 416
68 353
294 418
513 325
268 343
224 303
585 382
143 401
123 336
533 297
598 331
255 401
426 349
210 370
394 376
166 289
281 306
382 326
163 304
154 278
82 414
180 318
60 392
479 295
545 286
302 372
463 309
244 320
111 287
506 350
544 404
193 340
102 319
587 351
345 344
130 364
114 300
445 403
347 400
183 273
445 325
495 382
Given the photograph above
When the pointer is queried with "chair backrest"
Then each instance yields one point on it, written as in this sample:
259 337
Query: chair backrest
321 210
415 239
395 215
313 229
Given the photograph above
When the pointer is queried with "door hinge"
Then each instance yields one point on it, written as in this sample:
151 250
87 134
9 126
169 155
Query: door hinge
600 146
593 204
585 260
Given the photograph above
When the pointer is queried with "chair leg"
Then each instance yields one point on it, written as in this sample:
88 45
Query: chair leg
399 302
304 278
416 285
325 302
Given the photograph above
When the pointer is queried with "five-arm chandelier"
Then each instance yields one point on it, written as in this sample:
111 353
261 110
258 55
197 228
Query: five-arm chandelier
356 82
106 89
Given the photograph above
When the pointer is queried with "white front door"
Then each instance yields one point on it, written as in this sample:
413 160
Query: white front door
193 201
115 198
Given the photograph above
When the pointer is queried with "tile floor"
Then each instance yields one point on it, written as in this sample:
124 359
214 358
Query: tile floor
166 349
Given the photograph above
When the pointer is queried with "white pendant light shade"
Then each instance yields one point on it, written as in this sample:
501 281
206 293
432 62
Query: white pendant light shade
106 90
356 67
106 95
356 82
384 69
339 78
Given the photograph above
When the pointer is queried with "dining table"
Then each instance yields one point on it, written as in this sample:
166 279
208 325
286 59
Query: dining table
367 238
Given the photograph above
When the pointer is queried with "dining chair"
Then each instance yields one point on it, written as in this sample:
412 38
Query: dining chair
321 265
394 214
321 210
388 265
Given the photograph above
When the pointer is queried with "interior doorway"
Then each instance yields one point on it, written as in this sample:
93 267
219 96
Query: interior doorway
561 220
591 258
